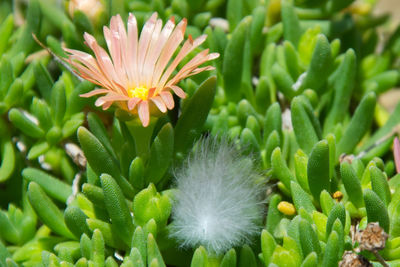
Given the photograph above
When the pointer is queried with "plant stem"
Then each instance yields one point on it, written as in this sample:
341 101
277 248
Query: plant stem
141 135
380 259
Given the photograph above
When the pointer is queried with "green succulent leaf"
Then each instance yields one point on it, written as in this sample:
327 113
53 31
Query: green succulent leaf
51 185
308 238
331 250
193 116
58 102
268 245
352 184
25 124
13 96
149 204
94 194
51 215
274 216
6 29
136 173
98 254
304 124
109 233
337 212
380 185
376 209
229 259
283 81
135 259
8 160
319 68
273 142
25 42
300 166
247 257
358 125
291 25
300 198
161 153
101 161
233 60
310 260
153 252
283 257
117 208
200 258
318 169
280 169
343 85
75 219
97 128
139 244
272 120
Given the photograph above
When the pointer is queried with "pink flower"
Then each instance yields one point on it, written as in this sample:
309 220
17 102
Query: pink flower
138 75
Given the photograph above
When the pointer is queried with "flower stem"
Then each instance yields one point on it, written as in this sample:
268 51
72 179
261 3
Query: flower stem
142 136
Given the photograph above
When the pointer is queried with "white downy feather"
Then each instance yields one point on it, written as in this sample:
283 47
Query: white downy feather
218 204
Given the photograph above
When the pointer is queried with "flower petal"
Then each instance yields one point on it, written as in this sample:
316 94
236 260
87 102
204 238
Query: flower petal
107 105
132 47
144 113
178 91
198 70
159 103
151 92
99 102
133 102
188 47
103 59
91 68
149 61
89 75
113 44
114 97
168 99
95 92
168 50
199 59
158 46
144 41
119 38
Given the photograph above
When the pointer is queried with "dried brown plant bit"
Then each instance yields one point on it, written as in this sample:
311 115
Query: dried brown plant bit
349 158
76 154
351 259
372 238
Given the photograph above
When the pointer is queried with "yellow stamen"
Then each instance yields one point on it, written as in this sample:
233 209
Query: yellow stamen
286 208
139 92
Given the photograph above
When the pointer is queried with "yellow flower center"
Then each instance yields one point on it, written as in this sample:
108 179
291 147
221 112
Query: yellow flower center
139 92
